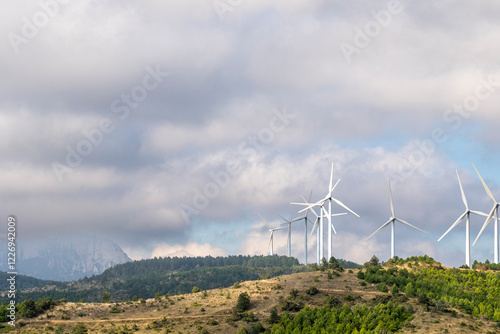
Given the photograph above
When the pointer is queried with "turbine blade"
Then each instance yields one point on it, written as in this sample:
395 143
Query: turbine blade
406 223
488 191
318 203
381 227
283 218
339 214
309 200
390 195
299 203
296 219
333 228
344 206
454 224
335 186
313 211
479 213
331 178
462 190
314 227
264 221
485 224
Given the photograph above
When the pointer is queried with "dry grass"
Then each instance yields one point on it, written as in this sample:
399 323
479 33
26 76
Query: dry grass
191 313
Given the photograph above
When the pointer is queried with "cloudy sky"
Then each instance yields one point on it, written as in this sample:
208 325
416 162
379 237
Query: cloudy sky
167 126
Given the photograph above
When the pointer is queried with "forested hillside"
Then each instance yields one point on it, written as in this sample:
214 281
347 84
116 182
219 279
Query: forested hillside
25 282
415 295
145 278
436 290
474 292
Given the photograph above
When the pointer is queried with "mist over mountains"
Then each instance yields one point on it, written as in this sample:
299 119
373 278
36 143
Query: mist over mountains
65 258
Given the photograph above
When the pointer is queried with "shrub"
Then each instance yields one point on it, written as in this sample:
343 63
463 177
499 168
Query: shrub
80 329
312 290
274 318
242 330
382 287
243 303
294 293
106 297
348 298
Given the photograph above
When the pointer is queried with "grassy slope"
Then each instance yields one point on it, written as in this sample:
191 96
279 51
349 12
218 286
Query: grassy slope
184 313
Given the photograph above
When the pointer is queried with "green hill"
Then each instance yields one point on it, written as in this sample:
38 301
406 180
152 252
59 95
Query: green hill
414 295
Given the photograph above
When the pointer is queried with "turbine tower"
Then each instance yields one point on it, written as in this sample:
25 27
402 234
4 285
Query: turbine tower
466 214
493 211
289 223
305 217
271 238
392 221
314 224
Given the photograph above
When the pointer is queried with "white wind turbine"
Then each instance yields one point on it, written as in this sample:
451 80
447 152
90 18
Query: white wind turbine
466 215
305 217
289 223
271 238
321 203
392 221
493 211
319 220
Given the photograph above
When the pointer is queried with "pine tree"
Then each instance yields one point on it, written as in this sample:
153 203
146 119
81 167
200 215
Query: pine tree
243 303
273 316
106 297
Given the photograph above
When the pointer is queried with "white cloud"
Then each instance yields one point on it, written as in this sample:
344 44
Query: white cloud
226 79
189 249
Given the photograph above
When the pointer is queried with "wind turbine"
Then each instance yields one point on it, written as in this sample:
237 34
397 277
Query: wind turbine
493 211
305 221
319 220
271 238
305 217
289 223
466 214
392 221
321 203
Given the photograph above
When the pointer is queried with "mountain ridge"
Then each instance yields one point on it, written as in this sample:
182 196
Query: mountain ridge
66 258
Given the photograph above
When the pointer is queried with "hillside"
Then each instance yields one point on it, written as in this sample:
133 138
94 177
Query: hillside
145 278
335 300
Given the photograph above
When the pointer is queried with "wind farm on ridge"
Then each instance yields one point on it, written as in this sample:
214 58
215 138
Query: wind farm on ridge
318 224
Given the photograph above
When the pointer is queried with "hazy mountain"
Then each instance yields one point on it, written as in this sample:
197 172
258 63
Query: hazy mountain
66 258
